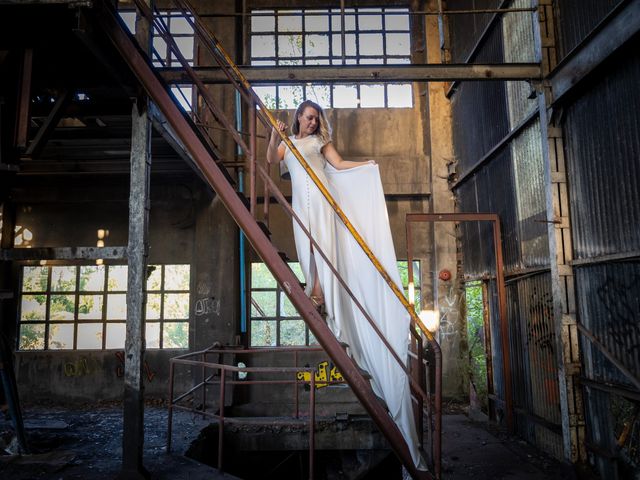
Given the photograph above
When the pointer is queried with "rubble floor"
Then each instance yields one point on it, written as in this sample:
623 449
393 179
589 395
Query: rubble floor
85 443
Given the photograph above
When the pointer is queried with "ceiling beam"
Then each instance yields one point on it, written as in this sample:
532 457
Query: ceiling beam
64 253
363 73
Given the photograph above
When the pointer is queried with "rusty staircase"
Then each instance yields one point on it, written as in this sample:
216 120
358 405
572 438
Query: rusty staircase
208 161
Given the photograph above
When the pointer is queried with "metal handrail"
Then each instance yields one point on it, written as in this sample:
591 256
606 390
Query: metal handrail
244 87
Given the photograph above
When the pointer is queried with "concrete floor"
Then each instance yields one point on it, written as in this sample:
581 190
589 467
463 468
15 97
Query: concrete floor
470 451
85 443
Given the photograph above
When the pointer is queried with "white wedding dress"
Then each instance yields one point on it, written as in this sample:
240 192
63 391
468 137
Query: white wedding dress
359 193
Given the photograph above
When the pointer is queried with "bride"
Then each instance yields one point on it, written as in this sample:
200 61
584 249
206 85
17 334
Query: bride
357 188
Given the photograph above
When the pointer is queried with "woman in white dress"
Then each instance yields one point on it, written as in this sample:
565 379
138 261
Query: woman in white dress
357 188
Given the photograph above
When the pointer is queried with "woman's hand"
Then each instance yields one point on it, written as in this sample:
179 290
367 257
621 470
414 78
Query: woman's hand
275 131
371 162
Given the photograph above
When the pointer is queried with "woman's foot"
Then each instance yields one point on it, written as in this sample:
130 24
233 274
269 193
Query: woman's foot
318 302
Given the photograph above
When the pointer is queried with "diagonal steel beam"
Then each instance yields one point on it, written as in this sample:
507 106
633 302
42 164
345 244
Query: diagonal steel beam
615 31
140 66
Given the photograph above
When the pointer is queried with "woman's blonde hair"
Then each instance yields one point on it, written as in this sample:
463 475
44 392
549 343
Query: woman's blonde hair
323 130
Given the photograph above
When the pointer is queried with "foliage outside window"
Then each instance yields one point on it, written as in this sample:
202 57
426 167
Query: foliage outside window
79 307
274 319
476 337
373 36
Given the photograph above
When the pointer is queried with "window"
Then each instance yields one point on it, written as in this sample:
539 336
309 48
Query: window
84 307
373 36
183 34
274 319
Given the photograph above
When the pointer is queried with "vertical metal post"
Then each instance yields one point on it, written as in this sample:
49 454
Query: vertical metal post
252 158
24 101
221 418
312 423
267 199
204 386
137 252
342 32
170 407
504 325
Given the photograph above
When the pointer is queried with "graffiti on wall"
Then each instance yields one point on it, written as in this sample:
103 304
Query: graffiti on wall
80 368
325 372
120 368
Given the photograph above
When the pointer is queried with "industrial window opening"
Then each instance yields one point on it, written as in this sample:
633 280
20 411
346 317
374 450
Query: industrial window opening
276 322
478 336
373 36
84 307
182 32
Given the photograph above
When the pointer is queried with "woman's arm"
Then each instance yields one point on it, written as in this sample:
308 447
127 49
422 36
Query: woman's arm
334 158
275 149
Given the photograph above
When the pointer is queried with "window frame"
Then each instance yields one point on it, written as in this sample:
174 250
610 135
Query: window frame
331 59
105 292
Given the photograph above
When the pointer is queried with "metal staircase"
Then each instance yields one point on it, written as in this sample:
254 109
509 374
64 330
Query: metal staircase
208 161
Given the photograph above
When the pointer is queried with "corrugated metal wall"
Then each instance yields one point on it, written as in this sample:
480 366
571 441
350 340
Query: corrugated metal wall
510 182
576 18
602 147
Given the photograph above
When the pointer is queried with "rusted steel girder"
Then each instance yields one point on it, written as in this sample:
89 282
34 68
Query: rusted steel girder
106 17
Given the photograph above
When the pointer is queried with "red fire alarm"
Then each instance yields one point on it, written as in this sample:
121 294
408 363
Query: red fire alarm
444 275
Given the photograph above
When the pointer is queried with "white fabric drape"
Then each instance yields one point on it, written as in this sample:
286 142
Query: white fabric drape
359 193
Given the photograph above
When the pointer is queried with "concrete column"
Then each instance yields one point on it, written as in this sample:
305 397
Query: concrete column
138 248
447 292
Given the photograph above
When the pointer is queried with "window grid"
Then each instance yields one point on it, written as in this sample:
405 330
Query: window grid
332 57
52 294
265 316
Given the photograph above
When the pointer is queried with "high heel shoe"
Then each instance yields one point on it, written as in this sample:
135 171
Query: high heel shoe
318 303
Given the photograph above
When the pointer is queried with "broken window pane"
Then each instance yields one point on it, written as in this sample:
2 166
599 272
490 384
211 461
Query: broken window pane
292 332
34 279
116 333
176 306
90 336
33 307
63 279
61 336
175 335
263 333
31 336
